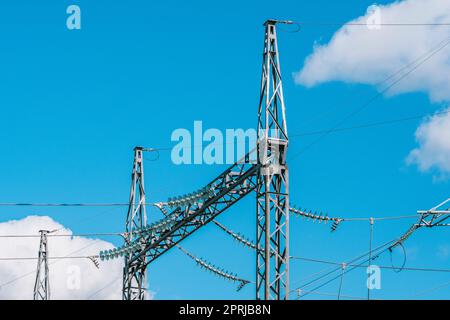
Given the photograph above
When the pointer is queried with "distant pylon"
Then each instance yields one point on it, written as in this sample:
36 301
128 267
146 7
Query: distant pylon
272 257
42 284
134 270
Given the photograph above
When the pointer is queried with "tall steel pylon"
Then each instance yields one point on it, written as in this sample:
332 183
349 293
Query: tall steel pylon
272 260
134 272
42 284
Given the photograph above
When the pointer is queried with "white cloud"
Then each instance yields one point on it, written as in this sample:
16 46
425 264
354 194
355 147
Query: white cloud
364 55
433 137
17 277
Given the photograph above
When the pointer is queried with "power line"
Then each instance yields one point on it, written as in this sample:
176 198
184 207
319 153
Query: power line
60 258
7 204
317 132
317 217
330 295
313 275
341 282
384 24
34 271
49 258
153 204
31 204
106 286
372 222
353 266
377 252
300 24
433 289
367 125
352 261
351 269
365 266
62 235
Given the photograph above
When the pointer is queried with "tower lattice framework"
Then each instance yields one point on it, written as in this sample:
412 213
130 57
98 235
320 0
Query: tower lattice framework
272 261
134 273
42 283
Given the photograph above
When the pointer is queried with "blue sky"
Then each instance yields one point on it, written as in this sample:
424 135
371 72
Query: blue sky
75 103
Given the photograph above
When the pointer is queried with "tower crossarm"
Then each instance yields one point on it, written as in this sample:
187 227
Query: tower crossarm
434 217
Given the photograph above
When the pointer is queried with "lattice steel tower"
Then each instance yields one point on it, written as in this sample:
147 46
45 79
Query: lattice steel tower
272 260
134 278
42 284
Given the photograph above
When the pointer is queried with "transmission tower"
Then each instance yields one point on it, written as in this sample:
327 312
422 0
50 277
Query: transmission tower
268 177
272 258
135 263
42 285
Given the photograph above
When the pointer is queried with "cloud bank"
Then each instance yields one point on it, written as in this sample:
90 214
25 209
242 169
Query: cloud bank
69 278
381 55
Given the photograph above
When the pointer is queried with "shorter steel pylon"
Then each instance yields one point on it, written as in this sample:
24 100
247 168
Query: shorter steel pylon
42 284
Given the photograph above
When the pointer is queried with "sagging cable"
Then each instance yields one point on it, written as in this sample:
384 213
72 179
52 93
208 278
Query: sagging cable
215 270
309 215
94 261
400 269
405 236
237 236
139 243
